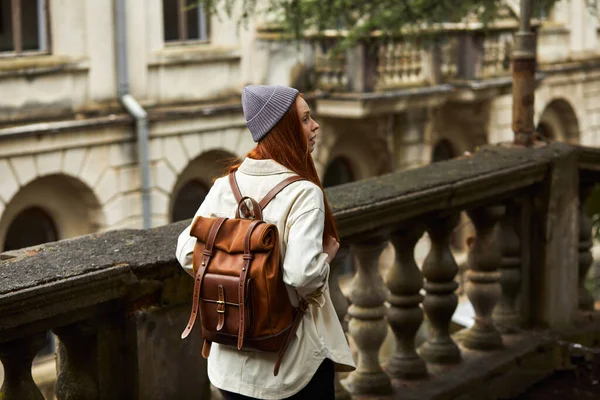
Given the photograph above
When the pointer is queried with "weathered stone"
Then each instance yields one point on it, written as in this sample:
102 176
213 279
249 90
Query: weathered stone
73 161
404 281
24 168
163 176
108 186
367 324
483 286
94 164
554 244
48 163
505 314
389 199
175 154
8 184
440 269
17 357
170 368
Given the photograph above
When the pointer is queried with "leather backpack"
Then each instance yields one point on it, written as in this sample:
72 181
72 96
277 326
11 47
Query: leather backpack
239 289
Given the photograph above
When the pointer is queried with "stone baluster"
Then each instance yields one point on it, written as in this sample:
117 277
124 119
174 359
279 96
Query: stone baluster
77 352
340 303
17 357
586 301
505 314
404 280
483 279
368 326
440 269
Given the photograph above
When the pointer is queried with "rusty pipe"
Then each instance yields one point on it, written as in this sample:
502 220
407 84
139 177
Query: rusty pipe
523 89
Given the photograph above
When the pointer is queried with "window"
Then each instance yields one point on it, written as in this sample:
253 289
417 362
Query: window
23 26
184 21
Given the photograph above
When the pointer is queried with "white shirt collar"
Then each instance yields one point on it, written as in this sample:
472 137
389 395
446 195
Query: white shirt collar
262 167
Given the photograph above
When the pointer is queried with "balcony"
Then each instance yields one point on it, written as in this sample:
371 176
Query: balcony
117 301
377 76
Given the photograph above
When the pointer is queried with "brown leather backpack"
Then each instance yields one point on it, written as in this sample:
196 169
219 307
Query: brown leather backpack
239 287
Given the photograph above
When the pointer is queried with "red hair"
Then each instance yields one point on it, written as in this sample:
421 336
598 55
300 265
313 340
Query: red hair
287 145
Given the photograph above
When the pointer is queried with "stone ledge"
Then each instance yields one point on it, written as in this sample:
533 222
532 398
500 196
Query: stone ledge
390 199
40 65
193 54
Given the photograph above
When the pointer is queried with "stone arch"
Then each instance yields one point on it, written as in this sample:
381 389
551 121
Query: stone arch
559 122
61 204
345 140
195 180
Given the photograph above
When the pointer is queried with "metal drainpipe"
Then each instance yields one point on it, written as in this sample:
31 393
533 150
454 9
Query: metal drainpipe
524 65
135 110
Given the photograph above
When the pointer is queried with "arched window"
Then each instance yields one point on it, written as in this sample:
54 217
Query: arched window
442 151
338 172
188 199
31 227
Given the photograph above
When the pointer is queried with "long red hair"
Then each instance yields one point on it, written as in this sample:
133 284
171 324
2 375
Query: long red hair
287 145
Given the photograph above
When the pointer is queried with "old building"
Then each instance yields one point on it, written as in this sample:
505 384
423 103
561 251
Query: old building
71 162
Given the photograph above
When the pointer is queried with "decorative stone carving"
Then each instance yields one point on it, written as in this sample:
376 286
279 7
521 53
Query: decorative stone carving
505 314
483 279
368 326
76 362
440 269
17 356
404 280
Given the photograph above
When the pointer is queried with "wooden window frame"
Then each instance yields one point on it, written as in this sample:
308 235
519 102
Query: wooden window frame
17 34
183 31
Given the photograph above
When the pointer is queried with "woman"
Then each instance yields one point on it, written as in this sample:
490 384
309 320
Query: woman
280 121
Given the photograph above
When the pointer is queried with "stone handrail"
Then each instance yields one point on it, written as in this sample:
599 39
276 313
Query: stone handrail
117 301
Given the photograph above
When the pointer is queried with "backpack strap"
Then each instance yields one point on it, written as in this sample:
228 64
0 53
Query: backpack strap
247 257
273 192
300 311
207 254
265 201
237 194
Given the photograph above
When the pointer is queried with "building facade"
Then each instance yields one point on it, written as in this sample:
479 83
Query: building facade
69 154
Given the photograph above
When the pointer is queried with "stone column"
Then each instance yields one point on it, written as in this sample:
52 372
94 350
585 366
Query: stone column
77 369
505 314
404 280
440 269
340 303
483 279
17 357
586 301
368 326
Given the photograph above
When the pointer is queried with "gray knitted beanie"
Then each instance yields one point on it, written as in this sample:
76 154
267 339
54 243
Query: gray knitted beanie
264 106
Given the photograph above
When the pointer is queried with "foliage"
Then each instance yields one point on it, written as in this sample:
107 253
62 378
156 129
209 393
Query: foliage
360 18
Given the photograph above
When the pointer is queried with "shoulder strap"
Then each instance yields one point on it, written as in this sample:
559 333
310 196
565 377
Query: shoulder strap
237 194
269 196
282 185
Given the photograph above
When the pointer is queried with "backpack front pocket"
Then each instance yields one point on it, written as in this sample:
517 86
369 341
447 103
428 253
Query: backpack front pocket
220 305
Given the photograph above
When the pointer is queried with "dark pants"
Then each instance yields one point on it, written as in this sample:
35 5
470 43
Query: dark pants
320 387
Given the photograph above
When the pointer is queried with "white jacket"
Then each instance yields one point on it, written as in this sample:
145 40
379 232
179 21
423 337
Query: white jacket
298 212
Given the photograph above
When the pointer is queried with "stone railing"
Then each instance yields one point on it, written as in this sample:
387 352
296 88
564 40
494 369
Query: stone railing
117 301
429 58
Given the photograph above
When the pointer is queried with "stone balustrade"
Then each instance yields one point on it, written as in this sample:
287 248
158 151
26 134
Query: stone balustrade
444 55
117 301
